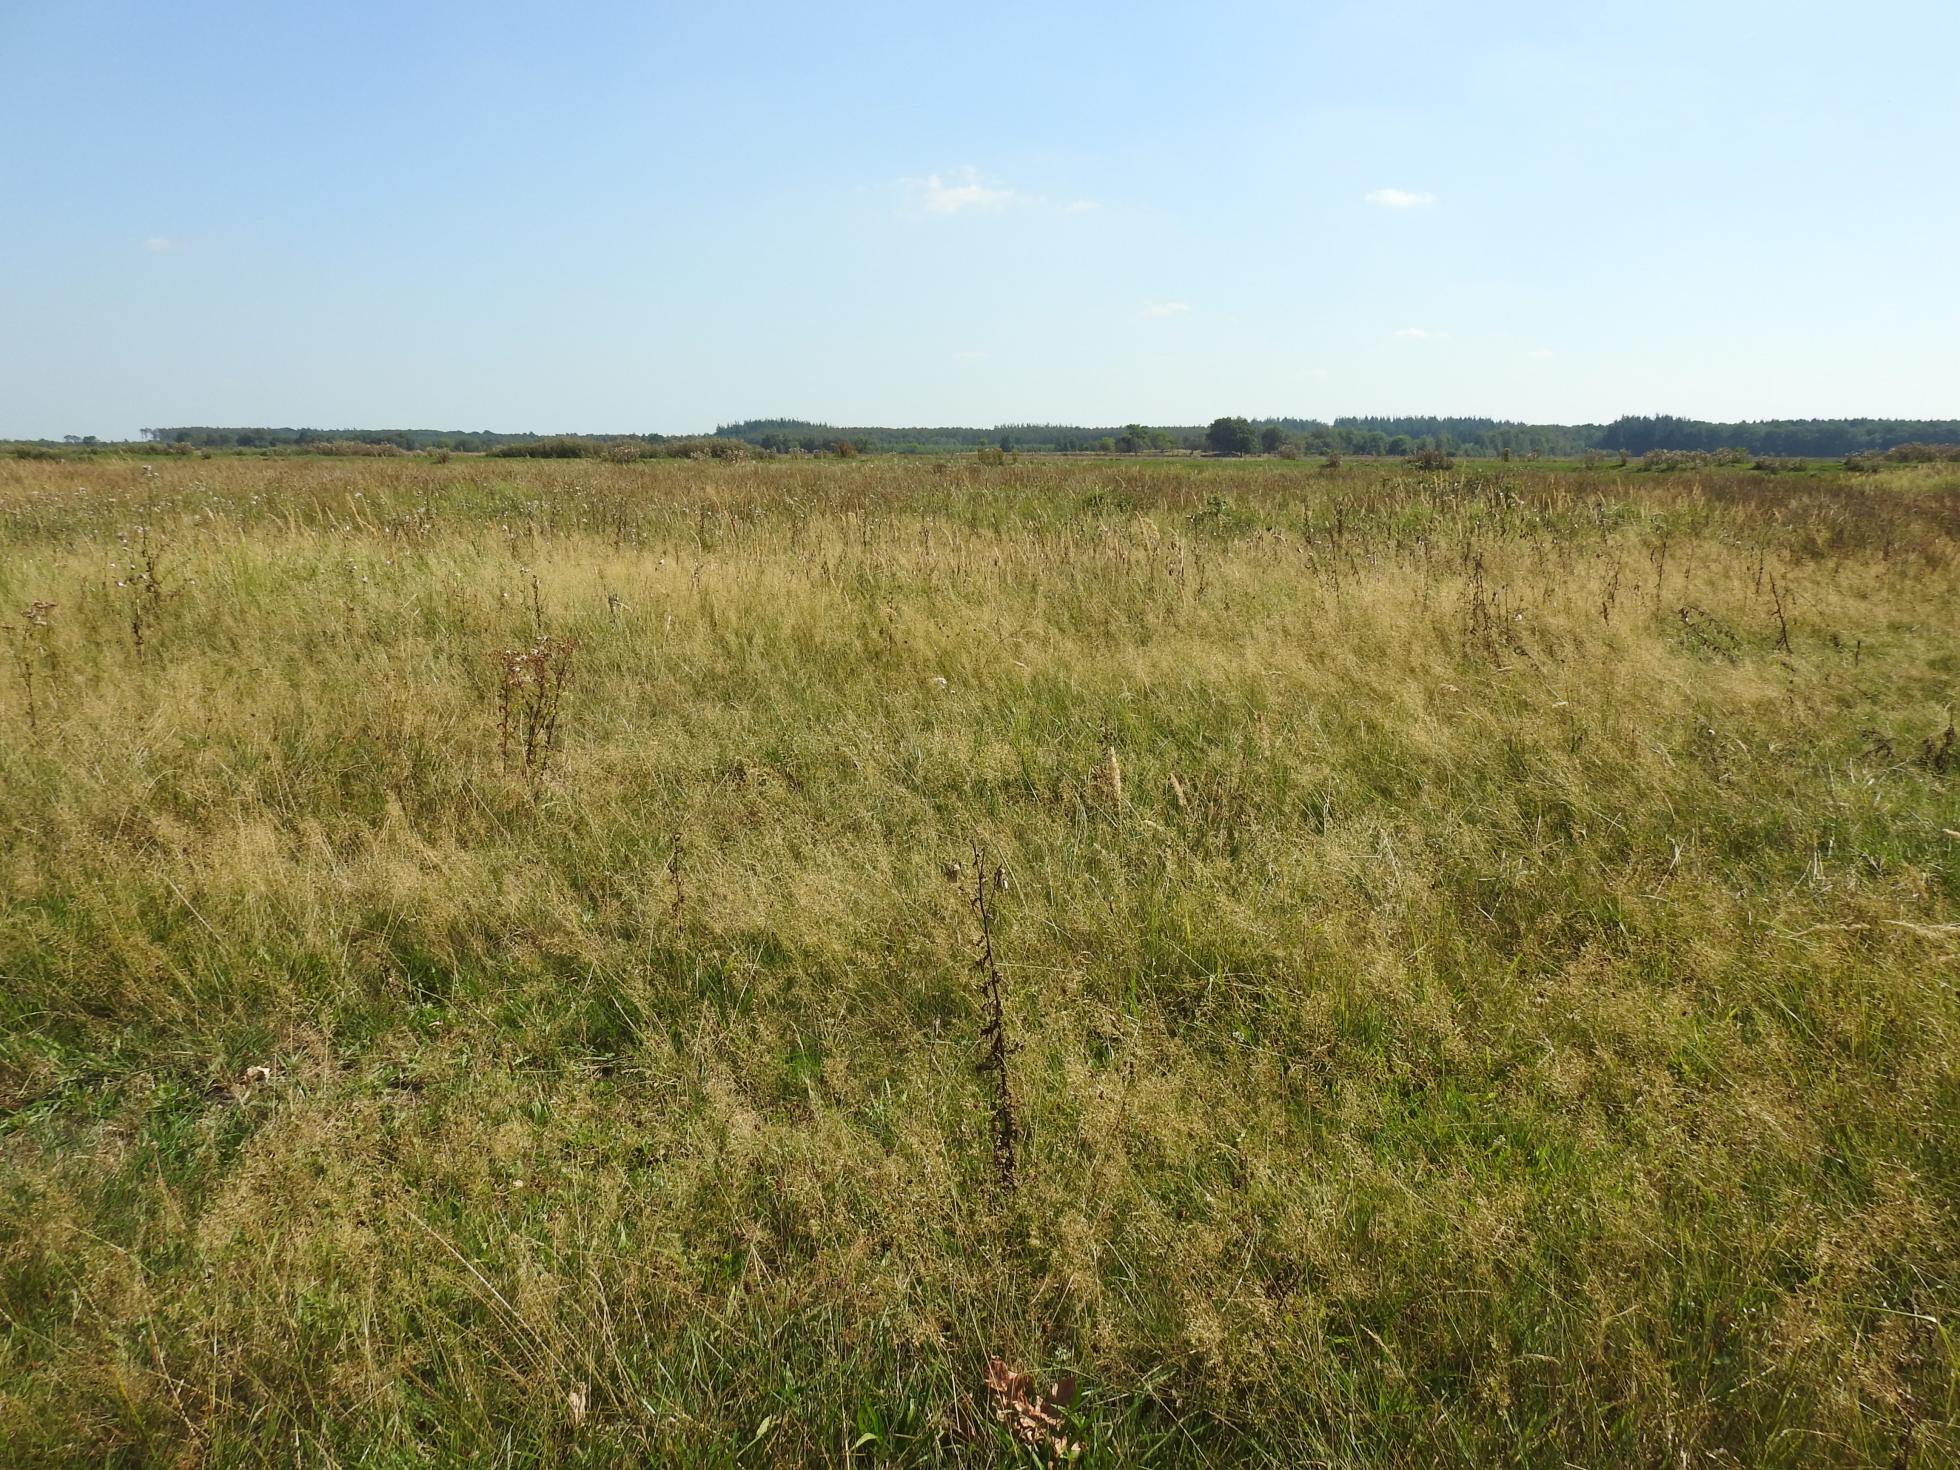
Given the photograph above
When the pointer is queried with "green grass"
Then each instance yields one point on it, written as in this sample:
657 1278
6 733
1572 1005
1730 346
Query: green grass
1466 1010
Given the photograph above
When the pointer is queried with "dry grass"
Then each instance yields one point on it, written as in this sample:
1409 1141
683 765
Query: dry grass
1479 953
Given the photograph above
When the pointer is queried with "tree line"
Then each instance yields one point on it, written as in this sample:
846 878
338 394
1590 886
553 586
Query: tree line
1358 435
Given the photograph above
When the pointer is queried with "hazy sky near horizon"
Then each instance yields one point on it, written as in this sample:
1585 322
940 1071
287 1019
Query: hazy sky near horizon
620 217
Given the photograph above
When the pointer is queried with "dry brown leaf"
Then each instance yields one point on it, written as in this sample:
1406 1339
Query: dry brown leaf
1035 1419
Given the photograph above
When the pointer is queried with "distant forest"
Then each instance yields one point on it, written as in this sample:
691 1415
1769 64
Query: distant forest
1473 437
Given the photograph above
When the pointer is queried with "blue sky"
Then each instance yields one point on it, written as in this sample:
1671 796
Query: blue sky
651 217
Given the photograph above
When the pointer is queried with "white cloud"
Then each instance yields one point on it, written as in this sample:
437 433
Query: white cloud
163 245
971 356
1399 199
1541 354
962 190
1418 334
1158 309
1081 206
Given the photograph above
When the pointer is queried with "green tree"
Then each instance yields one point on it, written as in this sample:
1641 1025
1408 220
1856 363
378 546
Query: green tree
1271 438
1231 436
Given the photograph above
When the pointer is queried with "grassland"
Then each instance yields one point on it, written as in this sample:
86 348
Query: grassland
1478 958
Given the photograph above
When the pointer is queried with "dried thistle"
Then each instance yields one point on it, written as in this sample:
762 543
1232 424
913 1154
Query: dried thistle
1782 623
1937 753
143 580
27 644
994 1046
530 697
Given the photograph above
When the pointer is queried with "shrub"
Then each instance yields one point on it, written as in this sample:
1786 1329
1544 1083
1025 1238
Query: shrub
709 446
353 449
1923 453
562 446
1676 459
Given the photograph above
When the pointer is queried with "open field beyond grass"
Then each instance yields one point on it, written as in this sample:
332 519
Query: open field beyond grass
1478 954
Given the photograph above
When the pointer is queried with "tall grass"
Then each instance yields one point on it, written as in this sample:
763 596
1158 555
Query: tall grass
1479 957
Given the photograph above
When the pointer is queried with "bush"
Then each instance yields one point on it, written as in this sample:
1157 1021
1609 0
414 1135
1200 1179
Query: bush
710 446
1431 459
561 447
352 449
1676 459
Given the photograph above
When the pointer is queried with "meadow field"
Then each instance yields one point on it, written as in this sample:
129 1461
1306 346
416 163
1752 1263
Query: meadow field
564 963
